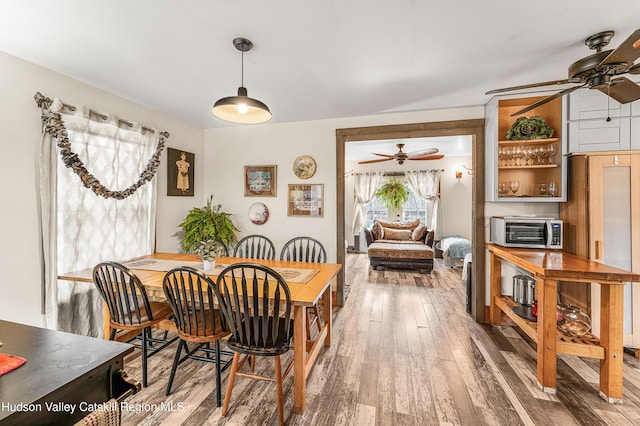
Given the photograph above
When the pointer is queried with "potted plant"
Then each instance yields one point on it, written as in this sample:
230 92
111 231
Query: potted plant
208 251
393 194
207 223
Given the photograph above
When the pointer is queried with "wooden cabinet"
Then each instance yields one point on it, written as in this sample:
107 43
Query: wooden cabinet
536 165
602 222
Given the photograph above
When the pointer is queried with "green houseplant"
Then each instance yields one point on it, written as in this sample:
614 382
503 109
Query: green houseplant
207 223
393 194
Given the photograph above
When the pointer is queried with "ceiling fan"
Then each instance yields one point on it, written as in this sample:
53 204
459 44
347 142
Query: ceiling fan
401 156
597 71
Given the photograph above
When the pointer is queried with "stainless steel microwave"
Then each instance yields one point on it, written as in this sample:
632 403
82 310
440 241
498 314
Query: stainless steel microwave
526 232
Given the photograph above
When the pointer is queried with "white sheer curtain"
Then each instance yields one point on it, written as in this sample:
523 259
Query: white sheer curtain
81 229
426 185
365 188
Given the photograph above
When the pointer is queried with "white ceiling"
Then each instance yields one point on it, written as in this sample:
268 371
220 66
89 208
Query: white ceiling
311 60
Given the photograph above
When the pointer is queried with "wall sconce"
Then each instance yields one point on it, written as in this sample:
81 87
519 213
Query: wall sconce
459 173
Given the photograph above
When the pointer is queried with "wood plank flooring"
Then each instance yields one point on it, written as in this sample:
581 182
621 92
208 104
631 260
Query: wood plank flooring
404 352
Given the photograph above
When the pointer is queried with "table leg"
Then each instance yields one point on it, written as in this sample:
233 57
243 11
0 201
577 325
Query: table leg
611 338
106 327
328 314
299 358
547 363
495 290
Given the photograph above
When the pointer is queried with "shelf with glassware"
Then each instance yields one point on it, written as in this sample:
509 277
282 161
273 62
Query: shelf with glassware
524 170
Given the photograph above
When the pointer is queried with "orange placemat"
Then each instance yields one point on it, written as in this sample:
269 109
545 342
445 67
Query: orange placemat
9 363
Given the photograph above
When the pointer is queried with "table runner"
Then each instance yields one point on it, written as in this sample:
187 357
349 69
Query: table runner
291 275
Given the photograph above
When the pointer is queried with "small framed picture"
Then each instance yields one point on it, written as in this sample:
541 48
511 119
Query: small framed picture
306 200
180 173
260 181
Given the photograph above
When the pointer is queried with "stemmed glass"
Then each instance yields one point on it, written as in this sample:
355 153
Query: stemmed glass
528 152
551 152
502 189
514 185
552 189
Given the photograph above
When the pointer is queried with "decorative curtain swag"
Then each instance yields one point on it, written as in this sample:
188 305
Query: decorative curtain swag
54 126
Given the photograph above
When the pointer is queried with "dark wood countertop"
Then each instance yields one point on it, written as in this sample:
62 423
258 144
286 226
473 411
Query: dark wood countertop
559 265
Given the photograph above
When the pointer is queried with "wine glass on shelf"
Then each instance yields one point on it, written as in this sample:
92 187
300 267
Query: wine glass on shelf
528 152
514 185
517 154
502 189
552 189
551 152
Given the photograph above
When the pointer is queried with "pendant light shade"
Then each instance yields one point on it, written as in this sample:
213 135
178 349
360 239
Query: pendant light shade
241 109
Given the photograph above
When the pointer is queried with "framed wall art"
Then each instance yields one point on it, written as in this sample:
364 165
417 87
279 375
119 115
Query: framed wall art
260 181
180 173
306 200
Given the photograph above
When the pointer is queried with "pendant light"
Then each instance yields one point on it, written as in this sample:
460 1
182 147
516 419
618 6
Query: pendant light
241 109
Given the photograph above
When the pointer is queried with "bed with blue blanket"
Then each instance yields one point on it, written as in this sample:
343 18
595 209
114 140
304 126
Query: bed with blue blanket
454 249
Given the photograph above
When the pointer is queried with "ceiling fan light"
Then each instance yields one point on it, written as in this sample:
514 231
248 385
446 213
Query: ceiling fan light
241 109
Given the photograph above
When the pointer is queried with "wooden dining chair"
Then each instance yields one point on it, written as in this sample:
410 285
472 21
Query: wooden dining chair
306 249
191 296
255 247
256 304
130 308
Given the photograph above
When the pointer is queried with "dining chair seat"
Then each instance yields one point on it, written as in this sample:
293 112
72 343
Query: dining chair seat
203 327
131 322
262 338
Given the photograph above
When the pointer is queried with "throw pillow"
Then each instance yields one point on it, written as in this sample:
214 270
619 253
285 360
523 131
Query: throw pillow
377 231
400 225
397 234
419 233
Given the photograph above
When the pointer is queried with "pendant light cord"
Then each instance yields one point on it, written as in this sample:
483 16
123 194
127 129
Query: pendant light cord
242 71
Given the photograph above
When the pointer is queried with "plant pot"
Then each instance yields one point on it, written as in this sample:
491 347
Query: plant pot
209 265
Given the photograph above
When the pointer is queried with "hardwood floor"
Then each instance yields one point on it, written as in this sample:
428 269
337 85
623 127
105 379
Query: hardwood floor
404 352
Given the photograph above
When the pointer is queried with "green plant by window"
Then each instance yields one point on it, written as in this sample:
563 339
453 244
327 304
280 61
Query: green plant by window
393 194
207 223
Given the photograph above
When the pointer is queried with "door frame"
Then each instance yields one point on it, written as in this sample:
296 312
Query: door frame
473 128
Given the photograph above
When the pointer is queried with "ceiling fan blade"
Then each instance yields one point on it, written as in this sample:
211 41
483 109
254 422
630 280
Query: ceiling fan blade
626 53
547 99
527 86
384 155
428 157
421 153
374 161
622 90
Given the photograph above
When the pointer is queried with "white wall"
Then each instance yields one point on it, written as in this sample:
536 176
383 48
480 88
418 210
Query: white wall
455 196
20 251
228 150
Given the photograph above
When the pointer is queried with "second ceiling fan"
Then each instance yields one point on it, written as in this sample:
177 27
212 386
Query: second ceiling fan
401 156
602 71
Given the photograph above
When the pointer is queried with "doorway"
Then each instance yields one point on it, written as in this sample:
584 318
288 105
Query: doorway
473 128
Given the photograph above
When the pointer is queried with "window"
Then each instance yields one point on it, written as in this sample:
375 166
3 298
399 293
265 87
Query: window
413 208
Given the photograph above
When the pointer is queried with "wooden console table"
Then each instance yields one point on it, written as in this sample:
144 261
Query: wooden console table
548 267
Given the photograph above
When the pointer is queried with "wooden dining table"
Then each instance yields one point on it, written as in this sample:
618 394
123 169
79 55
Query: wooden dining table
303 296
